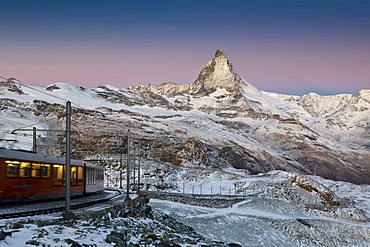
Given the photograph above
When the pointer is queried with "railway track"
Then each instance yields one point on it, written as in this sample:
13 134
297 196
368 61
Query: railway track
74 206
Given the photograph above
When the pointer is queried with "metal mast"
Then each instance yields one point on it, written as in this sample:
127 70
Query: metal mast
68 158
128 165
138 169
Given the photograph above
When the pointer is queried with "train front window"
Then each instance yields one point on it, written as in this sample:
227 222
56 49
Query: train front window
12 168
25 169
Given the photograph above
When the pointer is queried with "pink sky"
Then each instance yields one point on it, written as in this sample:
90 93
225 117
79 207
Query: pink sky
289 47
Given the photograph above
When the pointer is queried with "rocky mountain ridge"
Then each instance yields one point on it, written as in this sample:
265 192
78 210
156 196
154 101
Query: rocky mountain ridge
220 120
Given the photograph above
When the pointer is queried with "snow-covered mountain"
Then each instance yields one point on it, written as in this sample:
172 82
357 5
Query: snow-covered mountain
219 121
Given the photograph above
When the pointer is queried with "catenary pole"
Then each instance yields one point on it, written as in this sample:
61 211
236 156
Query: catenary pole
138 169
134 165
120 161
68 158
128 165
34 146
120 171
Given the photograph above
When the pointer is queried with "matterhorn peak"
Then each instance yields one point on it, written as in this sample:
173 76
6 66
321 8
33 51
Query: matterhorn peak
218 73
220 53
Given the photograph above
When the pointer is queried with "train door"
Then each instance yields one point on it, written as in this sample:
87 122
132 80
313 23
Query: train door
76 175
73 175
58 175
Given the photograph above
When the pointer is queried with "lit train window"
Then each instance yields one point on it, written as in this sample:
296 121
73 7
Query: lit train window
25 169
45 171
73 172
12 168
80 173
36 171
73 175
80 177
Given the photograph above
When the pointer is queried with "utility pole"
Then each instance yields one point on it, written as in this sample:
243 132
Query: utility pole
138 169
34 146
128 165
68 158
120 172
134 165
120 151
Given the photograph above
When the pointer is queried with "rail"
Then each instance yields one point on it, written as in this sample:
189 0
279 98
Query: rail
60 208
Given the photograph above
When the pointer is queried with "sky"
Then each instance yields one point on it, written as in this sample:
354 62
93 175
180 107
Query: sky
286 46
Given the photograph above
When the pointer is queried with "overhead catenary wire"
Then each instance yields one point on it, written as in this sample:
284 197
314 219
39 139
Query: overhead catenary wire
8 120
20 125
25 126
43 92
93 127
37 90
40 91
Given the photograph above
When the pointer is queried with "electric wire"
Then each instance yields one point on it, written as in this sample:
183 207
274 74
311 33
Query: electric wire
40 91
8 120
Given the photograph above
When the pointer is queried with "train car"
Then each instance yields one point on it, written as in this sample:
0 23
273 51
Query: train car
94 178
26 176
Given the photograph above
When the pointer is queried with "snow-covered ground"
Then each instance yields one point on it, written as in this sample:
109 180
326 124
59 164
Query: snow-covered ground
282 209
284 213
249 226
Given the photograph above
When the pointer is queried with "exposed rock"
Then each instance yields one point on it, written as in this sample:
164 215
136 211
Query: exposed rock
72 243
218 73
12 85
210 202
117 238
192 152
4 234
15 225
233 245
133 97
33 242
52 88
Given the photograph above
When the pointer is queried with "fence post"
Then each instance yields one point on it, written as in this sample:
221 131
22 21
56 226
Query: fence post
201 189
229 191
183 188
220 190
211 190
193 189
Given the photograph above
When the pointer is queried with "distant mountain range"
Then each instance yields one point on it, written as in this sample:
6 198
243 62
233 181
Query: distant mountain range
220 121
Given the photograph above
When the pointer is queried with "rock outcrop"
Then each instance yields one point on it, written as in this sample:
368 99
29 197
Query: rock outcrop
218 73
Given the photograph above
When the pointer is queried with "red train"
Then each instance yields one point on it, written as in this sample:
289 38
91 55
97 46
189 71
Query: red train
28 176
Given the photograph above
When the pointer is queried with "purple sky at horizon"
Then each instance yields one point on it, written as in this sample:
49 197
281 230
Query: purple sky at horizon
291 47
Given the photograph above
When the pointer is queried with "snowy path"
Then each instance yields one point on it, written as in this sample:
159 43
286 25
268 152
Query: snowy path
252 227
